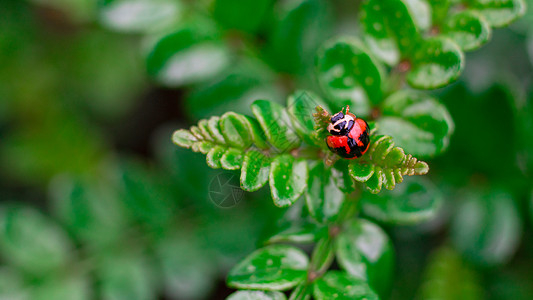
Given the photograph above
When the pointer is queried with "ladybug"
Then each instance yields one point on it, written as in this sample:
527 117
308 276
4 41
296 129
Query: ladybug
349 135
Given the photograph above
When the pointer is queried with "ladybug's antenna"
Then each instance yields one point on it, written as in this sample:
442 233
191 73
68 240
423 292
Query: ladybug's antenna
347 109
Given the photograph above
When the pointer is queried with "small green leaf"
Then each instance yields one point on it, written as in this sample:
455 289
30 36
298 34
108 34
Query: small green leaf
276 124
417 122
436 63
32 242
236 130
214 156
174 59
232 159
241 15
301 106
375 182
339 285
324 199
256 295
500 13
304 233
468 29
255 170
204 130
273 268
414 201
448 277
213 126
361 172
139 15
486 227
349 75
365 252
203 147
126 276
184 138
288 179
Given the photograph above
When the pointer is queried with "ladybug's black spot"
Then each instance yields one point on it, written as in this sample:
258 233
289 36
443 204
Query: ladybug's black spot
364 138
337 117
341 125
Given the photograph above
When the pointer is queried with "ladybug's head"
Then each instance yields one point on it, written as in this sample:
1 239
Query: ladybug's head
341 123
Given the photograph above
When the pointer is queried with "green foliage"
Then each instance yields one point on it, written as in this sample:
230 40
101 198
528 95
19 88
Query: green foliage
448 277
123 229
483 221
293 172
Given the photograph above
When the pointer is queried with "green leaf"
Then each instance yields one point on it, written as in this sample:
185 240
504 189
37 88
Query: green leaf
273 268
302 232
385 165
299 28
419 123
414 201
276 124
288 179
500 13
235 130
214 156
241 131
213 126
139 15
255 171
73 287
31 242
365 252
447 277
301 106
184 138
486 228
90 210
241 15
324 199
256 295
191 54
436 63
392 27
349 75
232 159
361 172
339 285
468 29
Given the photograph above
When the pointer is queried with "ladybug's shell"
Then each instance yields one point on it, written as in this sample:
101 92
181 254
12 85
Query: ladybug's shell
352 145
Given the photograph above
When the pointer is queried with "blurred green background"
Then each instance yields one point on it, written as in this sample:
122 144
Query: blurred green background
96 202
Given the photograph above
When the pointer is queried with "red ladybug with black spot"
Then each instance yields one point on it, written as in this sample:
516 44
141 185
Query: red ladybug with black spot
349 135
